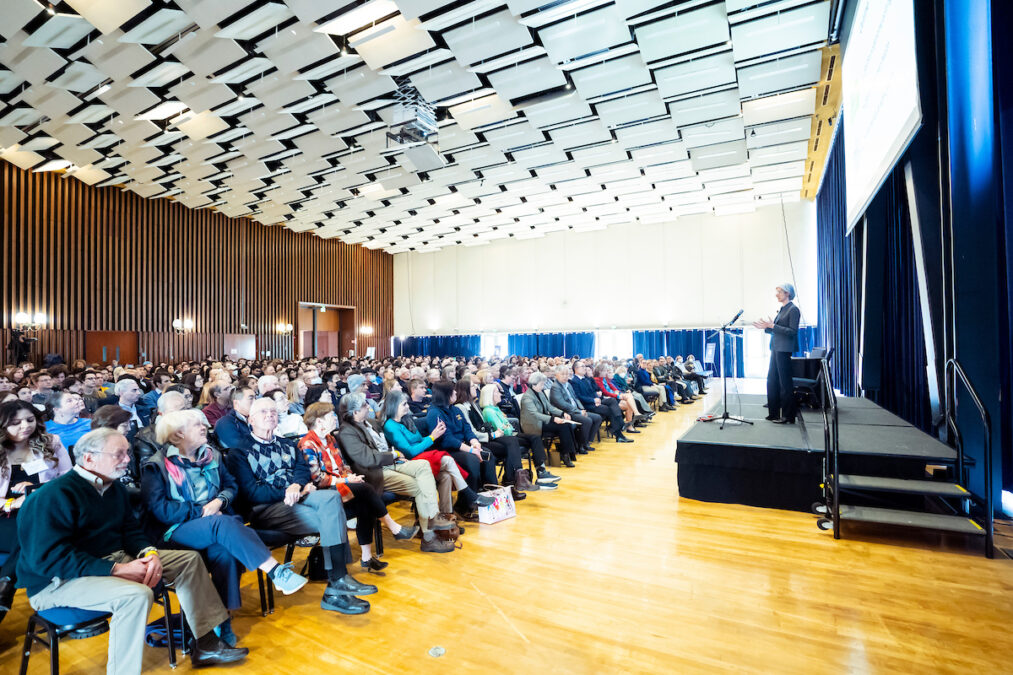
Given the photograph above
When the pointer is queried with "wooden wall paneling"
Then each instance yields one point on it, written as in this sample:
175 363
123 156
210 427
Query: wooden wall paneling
107 259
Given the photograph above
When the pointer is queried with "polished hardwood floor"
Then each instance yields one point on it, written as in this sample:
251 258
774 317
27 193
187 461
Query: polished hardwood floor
615 573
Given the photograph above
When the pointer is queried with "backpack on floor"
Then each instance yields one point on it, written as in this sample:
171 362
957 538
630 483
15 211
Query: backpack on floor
314 569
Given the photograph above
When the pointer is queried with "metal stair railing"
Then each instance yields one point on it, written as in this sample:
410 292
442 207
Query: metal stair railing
831 448
954 372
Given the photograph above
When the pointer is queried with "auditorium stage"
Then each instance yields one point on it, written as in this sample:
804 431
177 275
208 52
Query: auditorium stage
780 466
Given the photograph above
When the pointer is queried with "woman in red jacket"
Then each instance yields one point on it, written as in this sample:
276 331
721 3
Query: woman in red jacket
608 389
328 470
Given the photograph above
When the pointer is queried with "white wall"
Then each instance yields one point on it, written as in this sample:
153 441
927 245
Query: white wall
695 272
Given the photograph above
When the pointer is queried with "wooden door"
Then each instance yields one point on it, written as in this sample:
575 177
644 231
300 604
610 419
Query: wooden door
346 331
108 346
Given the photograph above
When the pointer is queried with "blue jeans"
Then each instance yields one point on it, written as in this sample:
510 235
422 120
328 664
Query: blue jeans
227 547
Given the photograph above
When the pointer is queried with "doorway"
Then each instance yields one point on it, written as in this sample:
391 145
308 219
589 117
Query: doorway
325 330
108 346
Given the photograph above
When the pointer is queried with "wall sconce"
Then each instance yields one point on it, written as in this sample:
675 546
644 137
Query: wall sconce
23 322
284 328
365 330
182 325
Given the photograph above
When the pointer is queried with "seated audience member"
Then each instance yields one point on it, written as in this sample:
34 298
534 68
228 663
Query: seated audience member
233 430
318 393
505 383
401 433
274 483
329 471
195 383
220 403
357 385
267 384
66 422
505 448
147 403
586 390
387 470
418 400
644 384
289 425
623 382
671 380
460 442
29 457
296 393
608 390
688 374
146 443
563 397
539 416
128 392
114 567
42 387
188 496
182 391
497 421
432 377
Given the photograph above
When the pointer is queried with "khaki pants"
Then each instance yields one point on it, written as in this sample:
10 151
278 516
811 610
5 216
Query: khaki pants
414 479
130 603
447 481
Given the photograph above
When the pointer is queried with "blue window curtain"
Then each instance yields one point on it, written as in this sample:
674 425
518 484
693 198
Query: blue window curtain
685 342
835 271
438 345
578 344
523 344
807 338
650 343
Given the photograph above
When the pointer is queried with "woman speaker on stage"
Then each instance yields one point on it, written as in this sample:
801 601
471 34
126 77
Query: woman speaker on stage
783 343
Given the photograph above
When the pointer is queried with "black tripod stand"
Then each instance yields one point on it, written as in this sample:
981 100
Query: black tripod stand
725 416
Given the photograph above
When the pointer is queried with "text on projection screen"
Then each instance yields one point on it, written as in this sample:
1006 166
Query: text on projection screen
881 105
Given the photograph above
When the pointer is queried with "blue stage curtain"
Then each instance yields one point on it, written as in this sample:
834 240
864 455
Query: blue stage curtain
835 271
439 345
578 344
733 342
650 343
807 338
550 344
524 344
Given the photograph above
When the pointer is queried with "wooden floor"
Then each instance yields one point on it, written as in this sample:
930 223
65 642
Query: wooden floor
614 573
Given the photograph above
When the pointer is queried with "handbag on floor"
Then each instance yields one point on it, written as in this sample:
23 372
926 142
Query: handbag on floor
314 569
501 508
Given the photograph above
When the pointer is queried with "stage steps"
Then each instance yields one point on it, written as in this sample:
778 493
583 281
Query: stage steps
903 485
930 521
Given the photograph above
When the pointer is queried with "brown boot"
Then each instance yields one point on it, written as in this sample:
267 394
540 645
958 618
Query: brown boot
441 522
433 544
522 481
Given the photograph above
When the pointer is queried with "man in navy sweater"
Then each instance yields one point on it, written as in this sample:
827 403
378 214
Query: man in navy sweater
233 430
274 482
82 547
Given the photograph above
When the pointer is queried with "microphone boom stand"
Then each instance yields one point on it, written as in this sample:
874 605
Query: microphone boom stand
725 416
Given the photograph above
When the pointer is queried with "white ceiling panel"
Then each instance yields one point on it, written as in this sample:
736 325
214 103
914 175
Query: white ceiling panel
577 135
706 107
612 76
60 31
791 72
485 38
585 34
557 111
696 75
526 78
649 133
686 32
443 81
158 27
777 32
777 133
108 15
482 111
259 21
777 154
627 109
719 155
709 133
780 107
391 41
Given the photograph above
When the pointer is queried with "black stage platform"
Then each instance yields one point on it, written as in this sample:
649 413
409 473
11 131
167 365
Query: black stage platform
780 466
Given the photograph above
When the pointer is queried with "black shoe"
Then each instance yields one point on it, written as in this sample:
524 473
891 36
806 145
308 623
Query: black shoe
581 451
771 418
7 591
631 430
623 439
211 650
784 421
589 448
373 565
568 462
469 516
347 585
517 494
483 500
346 604
687 400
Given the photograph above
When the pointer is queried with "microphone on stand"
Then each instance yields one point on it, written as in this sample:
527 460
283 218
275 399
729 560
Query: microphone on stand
736 317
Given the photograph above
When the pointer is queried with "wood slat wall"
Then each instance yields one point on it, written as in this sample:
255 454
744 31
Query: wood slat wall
106 259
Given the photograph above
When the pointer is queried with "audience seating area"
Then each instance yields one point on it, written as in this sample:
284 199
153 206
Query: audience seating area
244 461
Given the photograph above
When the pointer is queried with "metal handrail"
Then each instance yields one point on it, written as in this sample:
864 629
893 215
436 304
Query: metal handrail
953 369
831 444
